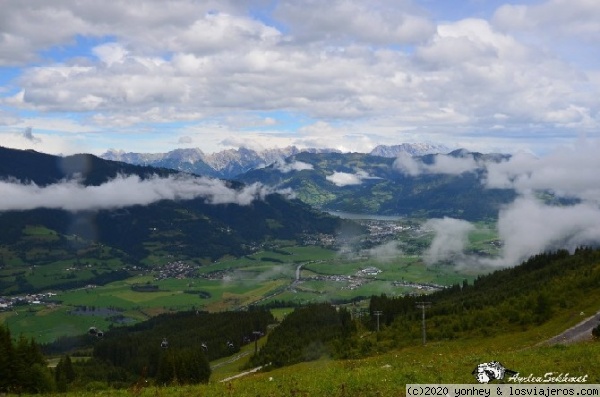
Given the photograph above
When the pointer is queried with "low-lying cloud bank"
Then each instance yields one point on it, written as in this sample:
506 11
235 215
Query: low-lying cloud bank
124 191
529 225
285 168
526 227
346 179
386 252
442 164
451 238
568 172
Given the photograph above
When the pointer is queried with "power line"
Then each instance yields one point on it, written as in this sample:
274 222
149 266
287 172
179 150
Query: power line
256 335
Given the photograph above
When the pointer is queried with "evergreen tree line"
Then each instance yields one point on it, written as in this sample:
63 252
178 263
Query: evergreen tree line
306 334
506 300
23 368
167 349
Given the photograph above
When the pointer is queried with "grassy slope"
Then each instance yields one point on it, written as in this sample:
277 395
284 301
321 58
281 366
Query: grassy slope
388 373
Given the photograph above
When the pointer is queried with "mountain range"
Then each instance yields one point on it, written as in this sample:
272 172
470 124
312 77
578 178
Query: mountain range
433 185
82 209
230 163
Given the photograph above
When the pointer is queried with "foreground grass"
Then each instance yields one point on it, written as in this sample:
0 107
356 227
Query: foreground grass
387 374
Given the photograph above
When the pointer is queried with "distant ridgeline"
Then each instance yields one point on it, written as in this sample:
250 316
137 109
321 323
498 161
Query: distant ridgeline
375 185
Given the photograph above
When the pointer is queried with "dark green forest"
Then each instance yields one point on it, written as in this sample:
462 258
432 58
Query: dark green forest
23 368
306 334
172 348
389 191
505 301
508 300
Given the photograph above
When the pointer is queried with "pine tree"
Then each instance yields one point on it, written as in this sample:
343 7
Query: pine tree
7 359
64 374
29 372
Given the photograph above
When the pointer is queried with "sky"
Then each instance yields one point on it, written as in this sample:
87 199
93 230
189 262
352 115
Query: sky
155 75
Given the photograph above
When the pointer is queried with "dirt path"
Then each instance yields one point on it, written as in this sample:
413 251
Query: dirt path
232 359
242 374
577 333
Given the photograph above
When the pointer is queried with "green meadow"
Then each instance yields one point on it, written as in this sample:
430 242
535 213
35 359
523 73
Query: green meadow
229 284
386 374
266 277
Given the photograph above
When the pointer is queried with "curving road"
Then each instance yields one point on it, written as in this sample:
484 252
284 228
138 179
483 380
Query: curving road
577 333
298 269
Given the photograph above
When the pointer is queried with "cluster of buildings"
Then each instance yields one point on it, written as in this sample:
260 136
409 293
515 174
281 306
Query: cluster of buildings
9 302
320 239
176 269
353 281
379 232
428 287
382 231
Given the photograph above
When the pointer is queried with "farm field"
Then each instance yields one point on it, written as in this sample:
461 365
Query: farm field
266 277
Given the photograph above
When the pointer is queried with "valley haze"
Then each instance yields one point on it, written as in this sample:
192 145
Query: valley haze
526 226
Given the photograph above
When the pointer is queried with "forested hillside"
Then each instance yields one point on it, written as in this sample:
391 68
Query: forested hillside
167 349
506 301
100 218
307 334
361 183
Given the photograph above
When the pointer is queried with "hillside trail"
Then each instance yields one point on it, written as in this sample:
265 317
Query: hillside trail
577 333
234 359
231 360
241 374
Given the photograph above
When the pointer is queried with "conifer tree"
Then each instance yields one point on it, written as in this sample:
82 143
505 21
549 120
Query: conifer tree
22 366
64 373
7 359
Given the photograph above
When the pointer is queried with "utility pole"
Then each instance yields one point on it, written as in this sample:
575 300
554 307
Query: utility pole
423 306
377 313
256 335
